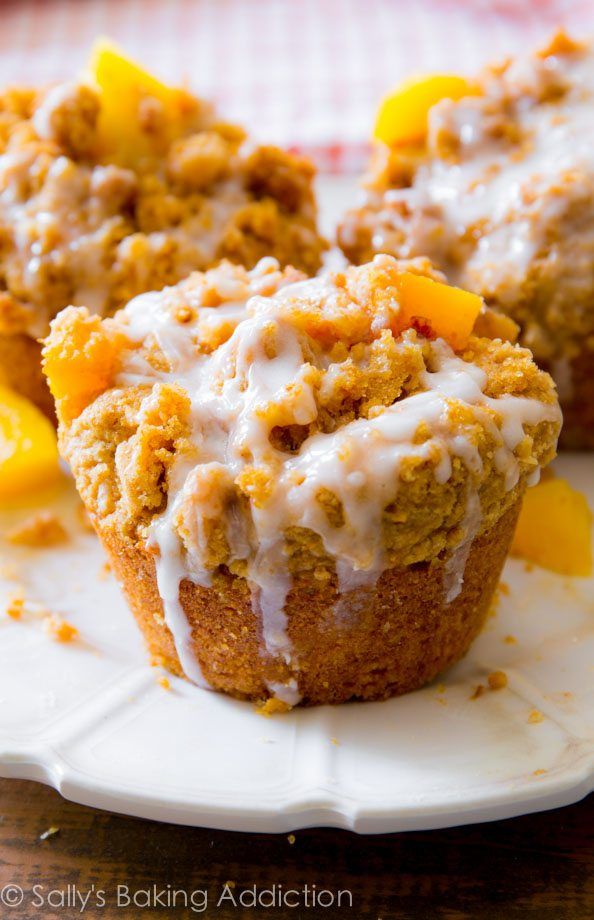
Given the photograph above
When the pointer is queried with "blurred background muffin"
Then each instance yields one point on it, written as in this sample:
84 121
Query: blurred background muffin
493 179
117 183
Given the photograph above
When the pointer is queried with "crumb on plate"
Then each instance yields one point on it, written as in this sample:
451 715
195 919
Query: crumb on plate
272 707
104 571
15 606
42 529
535 716
497 680
58 629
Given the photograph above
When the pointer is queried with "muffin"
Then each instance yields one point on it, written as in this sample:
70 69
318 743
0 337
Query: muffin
498 191
118 184
307 488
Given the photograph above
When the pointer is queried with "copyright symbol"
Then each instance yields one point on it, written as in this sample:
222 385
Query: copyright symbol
11 895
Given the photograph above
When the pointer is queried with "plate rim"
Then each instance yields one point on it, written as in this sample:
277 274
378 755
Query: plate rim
301 808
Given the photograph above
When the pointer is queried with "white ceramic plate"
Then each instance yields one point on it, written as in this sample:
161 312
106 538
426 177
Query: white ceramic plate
91 719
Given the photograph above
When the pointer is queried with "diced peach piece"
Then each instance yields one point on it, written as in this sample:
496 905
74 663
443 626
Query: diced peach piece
403 114
126 132
116 72
555 529
28 449
79 360
448 312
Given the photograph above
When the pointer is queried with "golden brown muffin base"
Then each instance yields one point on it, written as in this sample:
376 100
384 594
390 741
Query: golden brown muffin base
389 640
20 368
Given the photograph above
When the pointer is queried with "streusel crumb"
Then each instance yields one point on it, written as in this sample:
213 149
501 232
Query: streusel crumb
272 707
15 606
58 629
497 680
41 530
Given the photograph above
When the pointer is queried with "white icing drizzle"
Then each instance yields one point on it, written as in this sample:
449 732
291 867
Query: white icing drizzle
232 391
171 572
456 565
288 693
355 588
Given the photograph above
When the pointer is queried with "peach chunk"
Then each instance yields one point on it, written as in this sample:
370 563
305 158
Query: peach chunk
28 449
80 357
448 312
403 114
139 114
555 529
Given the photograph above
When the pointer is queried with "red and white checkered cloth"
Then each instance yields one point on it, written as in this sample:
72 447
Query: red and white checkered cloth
306 74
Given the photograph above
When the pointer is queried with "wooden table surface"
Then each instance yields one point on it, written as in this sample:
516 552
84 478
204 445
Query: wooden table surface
539 866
